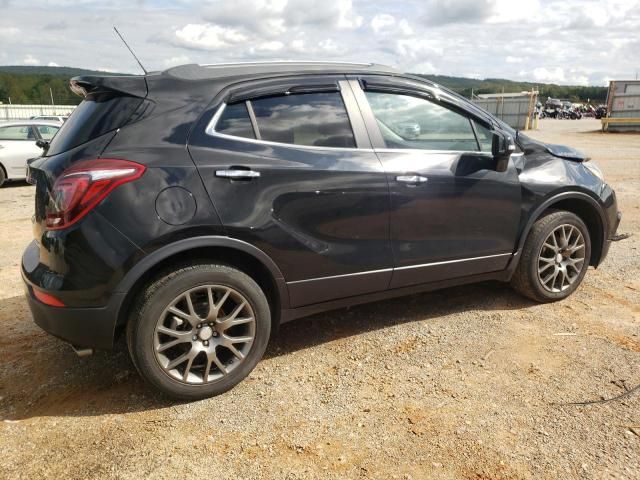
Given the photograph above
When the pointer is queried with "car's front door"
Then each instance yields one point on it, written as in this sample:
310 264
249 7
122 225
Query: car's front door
452 213
17 145
284 165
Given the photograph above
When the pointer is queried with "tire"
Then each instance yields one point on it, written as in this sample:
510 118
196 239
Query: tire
202 374
3 176
539 254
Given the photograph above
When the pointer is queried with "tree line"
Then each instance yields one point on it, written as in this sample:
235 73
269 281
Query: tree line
36 85
467 86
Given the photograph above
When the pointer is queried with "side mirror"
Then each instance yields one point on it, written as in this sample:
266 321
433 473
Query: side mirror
502 146
42 144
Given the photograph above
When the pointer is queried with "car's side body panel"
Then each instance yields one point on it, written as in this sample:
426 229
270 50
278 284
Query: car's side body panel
320 213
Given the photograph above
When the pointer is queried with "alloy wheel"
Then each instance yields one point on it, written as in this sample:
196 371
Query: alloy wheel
561 258
204 334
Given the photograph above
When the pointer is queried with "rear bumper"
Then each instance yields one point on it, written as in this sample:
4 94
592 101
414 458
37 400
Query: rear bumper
82 327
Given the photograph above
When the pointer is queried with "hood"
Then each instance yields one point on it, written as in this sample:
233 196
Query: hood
530 146
568 153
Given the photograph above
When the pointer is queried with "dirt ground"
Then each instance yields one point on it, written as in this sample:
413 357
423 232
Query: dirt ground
466 382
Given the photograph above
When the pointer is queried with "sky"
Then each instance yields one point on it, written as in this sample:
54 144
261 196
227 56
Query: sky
573 42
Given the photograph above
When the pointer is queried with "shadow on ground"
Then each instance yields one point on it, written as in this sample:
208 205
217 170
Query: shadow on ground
41 376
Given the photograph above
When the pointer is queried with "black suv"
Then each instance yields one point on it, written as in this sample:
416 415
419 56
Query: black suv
198 208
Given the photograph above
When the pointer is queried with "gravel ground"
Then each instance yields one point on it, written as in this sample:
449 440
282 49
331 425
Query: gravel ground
466 382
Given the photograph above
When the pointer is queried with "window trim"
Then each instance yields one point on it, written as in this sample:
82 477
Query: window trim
211 131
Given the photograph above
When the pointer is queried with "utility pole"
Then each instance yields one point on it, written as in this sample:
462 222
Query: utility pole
51 93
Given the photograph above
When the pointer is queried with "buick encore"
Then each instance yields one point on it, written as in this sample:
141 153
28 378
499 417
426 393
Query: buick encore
195 210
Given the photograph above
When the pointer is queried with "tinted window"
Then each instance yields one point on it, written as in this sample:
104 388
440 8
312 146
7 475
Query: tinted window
412 122
47 131
16 132
315 119
235 121
485 138
98 114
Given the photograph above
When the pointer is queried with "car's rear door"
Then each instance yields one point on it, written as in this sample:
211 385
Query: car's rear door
17 145
452 213
290 169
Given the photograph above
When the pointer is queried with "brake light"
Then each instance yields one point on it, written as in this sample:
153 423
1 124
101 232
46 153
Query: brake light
47 299
83 186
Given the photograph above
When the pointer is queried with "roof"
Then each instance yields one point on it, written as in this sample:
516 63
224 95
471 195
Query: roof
219 70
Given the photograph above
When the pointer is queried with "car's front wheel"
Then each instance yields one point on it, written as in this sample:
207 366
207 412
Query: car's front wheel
198 331
554 259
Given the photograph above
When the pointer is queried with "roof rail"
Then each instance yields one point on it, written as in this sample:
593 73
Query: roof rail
285 62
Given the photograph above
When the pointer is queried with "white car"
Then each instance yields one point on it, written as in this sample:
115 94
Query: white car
18 144
51 118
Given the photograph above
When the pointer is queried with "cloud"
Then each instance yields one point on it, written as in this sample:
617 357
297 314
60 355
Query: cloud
176 60
442 12
382 21
385 23
30 60
562 41
8 31
52 64
60 25
208 37
552 75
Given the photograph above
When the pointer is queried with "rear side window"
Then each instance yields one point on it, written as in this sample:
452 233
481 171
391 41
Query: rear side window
311 119
98 114
235 121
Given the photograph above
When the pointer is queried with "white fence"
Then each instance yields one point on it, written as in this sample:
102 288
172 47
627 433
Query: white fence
24 112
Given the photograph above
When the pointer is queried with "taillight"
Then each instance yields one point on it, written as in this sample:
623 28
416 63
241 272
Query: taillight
84 185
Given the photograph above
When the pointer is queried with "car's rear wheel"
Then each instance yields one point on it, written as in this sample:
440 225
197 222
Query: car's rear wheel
198 331
555 258
3 176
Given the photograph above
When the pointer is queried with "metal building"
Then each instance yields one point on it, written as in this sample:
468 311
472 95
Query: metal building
623 107
515 109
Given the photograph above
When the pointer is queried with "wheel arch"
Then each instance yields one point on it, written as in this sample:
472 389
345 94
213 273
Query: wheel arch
235 253
584 206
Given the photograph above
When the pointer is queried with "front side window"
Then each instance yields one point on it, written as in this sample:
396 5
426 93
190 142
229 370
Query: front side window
485 138
411 122
47 131
16 132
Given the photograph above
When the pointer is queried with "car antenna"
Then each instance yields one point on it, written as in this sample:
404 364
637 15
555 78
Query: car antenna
129 48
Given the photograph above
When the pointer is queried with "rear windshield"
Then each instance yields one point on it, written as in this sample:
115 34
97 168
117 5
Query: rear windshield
98 114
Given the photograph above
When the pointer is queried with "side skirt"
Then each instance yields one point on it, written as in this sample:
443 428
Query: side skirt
293 313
